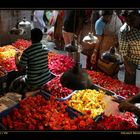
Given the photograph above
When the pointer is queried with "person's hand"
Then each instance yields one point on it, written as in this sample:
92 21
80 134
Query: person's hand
3 70
124 105
94 58
17 54
118 101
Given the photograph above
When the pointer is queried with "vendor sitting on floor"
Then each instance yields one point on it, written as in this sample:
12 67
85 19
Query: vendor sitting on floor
35 61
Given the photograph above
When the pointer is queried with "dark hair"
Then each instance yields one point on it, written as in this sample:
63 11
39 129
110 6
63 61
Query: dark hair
132 18
36 35
107 12
128 13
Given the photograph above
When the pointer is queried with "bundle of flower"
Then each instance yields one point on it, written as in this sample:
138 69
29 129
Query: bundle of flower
51 54
22 44
60 63
117 122
9 64
55 88
120 88
37 113
7 52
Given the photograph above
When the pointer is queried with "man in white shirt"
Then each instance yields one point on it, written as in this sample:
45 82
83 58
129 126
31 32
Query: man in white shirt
38 20
115 24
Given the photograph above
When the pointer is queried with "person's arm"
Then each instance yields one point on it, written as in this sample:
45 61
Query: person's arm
123 49
136 111
134 99
21 62
3 70
99 28
125 105
96 50
123 44
97 45
17 55
128 66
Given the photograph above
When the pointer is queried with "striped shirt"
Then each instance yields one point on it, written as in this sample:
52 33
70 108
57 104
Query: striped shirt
129 43
35 58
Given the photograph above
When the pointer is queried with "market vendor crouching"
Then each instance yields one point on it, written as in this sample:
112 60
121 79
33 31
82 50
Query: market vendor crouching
35 61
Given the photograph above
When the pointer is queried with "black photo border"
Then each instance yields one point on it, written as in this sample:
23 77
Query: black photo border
69 4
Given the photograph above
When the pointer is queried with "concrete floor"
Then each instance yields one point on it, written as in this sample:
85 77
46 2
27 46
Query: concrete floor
51 45
121 77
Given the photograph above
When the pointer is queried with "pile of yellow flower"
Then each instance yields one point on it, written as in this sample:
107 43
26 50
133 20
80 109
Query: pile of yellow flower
7 52
89 102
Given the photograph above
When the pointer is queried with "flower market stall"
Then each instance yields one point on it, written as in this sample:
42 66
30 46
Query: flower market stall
55 107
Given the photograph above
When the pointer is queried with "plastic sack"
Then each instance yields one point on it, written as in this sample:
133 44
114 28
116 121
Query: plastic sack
53 17
49 15
50 31
50 34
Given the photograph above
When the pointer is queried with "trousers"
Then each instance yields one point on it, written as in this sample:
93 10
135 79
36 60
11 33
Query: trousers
131 78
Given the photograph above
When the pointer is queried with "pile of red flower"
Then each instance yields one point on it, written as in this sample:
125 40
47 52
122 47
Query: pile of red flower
22 44
117 122
51 54
59 63
55 88
120 88
37 113
9 64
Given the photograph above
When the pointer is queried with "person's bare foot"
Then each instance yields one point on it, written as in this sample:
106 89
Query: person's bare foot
31 93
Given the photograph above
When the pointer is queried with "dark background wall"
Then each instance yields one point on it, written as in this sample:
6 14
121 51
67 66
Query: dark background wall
8 19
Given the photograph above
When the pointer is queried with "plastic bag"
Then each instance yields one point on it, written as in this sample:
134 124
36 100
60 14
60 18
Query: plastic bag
50 31
50 34
49 15
53 17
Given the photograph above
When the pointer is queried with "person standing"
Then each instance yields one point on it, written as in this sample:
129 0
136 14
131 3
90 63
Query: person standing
58 36
129 45
73 23
87 49
115 23
107 39
39 20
